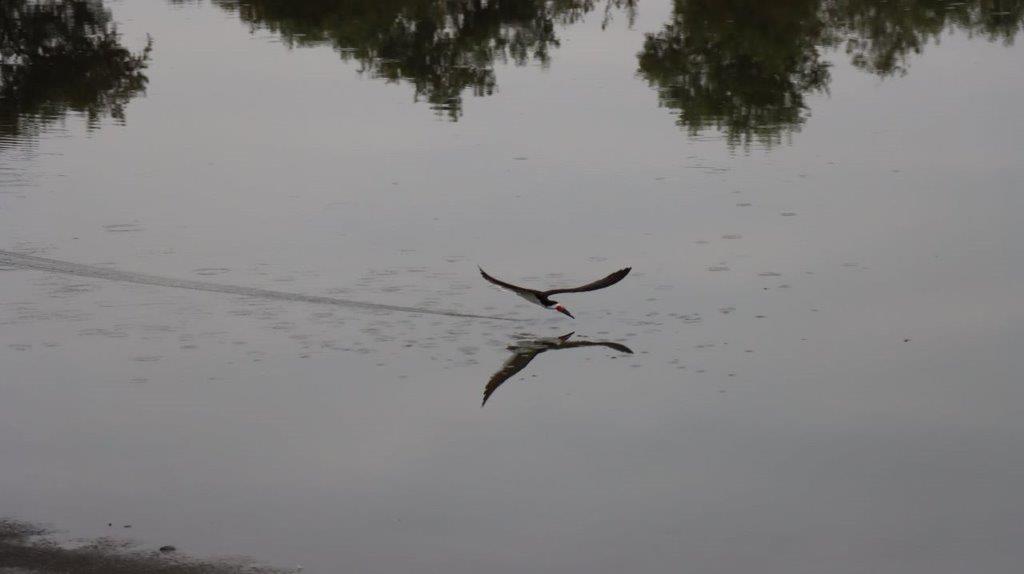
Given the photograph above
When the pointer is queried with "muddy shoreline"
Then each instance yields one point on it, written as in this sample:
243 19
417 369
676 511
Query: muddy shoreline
29 549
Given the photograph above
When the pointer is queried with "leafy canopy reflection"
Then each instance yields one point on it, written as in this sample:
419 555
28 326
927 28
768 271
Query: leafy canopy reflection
442 47
61 56
745 67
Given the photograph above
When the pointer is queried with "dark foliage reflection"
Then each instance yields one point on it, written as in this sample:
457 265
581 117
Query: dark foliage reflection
61 56
444 48
745 67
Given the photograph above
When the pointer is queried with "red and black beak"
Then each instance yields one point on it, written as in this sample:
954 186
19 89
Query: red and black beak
563 310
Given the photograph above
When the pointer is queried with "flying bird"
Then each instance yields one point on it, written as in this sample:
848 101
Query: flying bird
543 298
525 351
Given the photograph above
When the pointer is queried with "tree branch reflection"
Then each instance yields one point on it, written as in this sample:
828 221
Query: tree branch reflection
745 68
443 48
57 57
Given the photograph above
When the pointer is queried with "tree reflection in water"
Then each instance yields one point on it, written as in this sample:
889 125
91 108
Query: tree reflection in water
442 47
742 67
57 57
745 67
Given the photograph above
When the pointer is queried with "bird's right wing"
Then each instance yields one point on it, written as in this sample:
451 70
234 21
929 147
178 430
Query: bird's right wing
504 285
616 346
594 285
517 362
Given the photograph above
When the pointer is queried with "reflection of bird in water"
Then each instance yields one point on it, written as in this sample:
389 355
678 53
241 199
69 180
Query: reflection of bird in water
542 298
524 351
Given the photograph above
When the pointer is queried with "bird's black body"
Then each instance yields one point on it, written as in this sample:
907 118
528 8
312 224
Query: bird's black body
543 298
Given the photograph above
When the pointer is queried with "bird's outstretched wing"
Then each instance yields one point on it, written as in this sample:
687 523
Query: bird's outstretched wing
599 284
509 286
517 362
525 351
615 346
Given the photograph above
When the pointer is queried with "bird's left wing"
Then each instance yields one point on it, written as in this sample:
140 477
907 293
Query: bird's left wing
594 286
503 284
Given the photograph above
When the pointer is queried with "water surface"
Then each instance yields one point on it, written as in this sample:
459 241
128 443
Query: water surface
820 202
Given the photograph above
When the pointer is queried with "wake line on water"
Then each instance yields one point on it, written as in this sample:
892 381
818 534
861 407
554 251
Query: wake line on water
78 270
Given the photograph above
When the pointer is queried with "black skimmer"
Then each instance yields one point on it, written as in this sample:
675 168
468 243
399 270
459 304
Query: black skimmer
543 298
524 351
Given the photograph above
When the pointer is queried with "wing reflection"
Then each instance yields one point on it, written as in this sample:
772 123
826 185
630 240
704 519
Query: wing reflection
525 351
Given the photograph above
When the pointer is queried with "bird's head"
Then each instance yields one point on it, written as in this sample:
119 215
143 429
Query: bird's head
561 309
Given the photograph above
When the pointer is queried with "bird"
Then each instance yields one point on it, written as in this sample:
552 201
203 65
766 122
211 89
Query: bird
524 351
543 298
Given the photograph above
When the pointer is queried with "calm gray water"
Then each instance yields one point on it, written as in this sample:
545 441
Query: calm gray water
821 201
